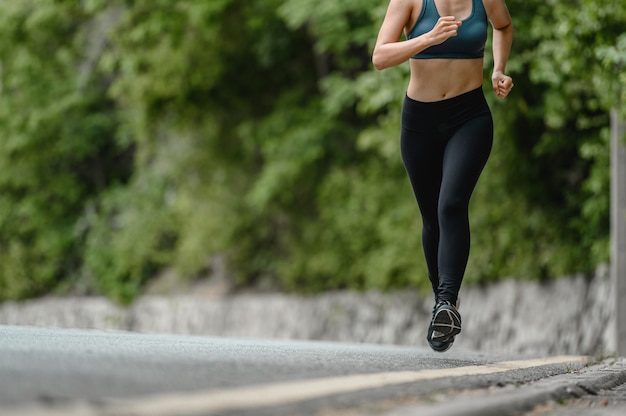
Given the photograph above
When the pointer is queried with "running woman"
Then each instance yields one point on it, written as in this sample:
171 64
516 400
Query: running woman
447 129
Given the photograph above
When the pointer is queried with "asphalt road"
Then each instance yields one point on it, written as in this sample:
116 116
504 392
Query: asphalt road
78 372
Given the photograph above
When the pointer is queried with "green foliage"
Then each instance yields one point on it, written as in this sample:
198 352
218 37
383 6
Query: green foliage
56 151
556 147
151 134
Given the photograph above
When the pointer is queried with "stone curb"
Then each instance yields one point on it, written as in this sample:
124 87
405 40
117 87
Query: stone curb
500 318
592 380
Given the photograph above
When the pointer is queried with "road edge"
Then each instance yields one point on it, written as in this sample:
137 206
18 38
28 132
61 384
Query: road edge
514 400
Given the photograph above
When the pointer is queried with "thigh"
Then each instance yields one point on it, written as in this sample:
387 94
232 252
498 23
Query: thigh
422 156
465 156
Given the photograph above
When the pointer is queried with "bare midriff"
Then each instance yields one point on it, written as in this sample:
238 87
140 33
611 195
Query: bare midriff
440 79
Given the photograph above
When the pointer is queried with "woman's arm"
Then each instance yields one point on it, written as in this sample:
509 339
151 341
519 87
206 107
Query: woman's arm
498 15
390 51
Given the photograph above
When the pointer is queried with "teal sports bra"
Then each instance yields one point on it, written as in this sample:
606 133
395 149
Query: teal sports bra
469 43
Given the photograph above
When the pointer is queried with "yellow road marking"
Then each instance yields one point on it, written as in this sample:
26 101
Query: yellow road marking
273 394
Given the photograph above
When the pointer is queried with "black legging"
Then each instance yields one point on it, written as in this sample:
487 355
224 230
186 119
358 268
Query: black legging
445 145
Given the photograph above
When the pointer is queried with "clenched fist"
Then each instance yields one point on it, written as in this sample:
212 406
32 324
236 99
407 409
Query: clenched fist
445 28
502 84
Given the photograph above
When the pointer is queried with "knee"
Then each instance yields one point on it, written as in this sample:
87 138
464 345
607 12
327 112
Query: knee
430 229
430 221
452 207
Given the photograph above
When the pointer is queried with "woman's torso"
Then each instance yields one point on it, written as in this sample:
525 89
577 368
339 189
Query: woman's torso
442 78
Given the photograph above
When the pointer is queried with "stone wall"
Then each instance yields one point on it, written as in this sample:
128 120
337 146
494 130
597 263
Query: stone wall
568 316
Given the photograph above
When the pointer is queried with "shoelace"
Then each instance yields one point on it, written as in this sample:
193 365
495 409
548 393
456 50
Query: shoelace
443 302
447 302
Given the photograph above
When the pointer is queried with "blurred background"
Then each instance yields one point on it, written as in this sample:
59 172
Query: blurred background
150 138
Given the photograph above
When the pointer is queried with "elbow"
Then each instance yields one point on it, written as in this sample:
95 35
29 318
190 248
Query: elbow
378 61
508 28
378 65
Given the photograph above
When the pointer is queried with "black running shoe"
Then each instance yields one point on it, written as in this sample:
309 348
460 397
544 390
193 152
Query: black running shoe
445 325
438 346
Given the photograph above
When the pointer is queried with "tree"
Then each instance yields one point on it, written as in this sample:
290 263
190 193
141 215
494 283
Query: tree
259 131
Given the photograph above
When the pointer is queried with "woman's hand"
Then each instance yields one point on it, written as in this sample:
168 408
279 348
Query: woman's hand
446 27
502 84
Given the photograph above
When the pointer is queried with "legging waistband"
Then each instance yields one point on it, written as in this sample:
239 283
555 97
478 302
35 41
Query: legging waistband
418 115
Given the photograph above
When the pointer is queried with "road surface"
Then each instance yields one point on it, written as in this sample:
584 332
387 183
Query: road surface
79 372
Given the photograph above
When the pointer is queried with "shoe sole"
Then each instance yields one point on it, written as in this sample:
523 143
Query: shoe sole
447 322
442 348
